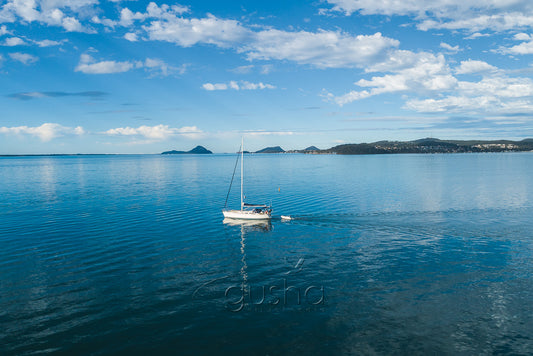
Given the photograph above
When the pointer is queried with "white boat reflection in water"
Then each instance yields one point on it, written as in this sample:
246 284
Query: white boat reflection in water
249 225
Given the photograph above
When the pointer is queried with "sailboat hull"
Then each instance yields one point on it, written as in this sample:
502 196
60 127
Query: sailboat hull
246 215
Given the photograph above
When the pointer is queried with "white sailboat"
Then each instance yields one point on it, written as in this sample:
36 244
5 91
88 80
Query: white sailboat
248 211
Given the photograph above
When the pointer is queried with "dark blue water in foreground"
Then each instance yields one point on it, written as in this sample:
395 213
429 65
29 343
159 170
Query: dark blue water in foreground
392 254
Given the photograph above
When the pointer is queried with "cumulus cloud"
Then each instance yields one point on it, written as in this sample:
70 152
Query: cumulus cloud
429 77
4 31
470 15
475 35
14 41
60 13
497 22
132 37
89 65
50 12
324 49
242 85
188 32
522 37
217 86
493 95
473 66
423 72
155 133
128 17
23 58
46 132
520 49
449 48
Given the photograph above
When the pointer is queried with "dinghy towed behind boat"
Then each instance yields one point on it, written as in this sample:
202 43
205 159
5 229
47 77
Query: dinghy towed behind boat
248 211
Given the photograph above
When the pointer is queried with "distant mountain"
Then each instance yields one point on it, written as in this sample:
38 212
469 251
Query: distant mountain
275 149
432 145
312 148
196 150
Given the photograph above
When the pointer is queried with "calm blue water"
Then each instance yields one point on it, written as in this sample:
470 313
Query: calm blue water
391 254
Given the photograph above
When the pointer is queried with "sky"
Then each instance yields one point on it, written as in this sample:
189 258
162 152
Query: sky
112 76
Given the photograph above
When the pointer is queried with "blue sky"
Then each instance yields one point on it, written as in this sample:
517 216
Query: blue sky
95 76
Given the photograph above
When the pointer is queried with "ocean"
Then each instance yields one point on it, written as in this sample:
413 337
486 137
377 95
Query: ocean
385 254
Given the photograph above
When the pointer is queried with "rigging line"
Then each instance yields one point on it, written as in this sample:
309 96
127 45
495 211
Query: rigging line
233 176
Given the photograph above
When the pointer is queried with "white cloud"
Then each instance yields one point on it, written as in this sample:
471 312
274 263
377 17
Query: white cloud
156 133
45 132
154 66
103 21
522 37
263 69
188 32
163 12
522 48
476 35
324 49
4 31
14 41
473 66
267 68
49 43
127 17
23 58
499 86
491 95
526 47
130 36
88 65
498 23
471 105
157 66
427 75
242 85
450 48
471 15
254 86
437 8
211 87
50 12
243 69
423 72
72 25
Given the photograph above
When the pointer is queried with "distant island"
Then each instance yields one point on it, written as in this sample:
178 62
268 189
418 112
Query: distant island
197 150
278 149
425 145
275 149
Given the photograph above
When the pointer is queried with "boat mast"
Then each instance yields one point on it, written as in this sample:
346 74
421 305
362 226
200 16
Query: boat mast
242 170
